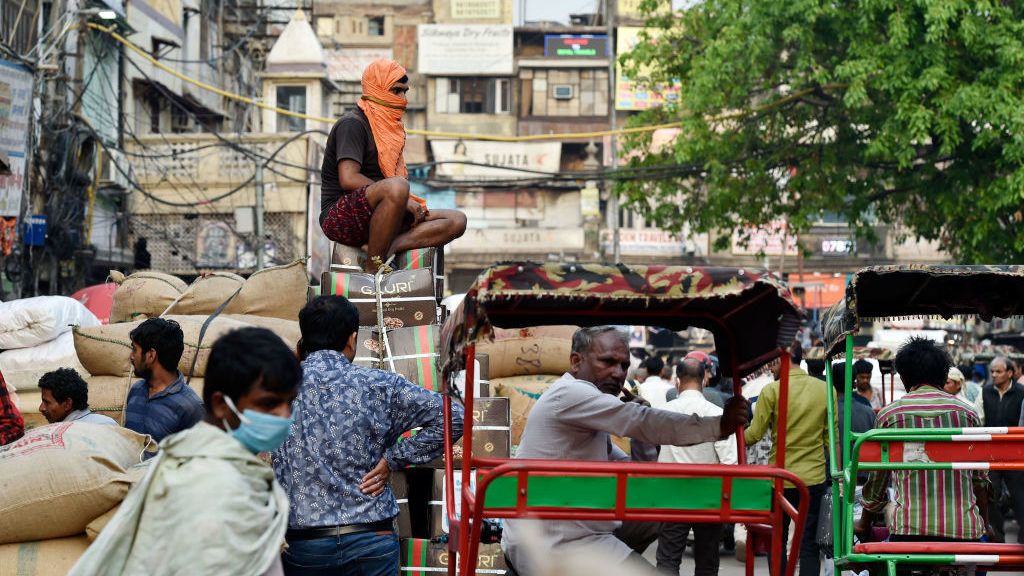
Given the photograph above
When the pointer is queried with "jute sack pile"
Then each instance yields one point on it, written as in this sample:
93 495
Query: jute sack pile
42 558
59 478
144 293
205 294
276 292
522 392
104 350
514 355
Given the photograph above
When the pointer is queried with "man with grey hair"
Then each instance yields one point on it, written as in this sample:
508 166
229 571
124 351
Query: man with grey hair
573 420
1001 401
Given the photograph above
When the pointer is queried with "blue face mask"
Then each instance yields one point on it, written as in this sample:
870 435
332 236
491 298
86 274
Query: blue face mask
259 432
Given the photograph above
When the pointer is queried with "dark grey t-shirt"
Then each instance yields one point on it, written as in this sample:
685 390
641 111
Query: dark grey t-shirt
350 139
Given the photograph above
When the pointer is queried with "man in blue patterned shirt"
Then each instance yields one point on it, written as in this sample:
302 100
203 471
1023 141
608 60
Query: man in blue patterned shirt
343 445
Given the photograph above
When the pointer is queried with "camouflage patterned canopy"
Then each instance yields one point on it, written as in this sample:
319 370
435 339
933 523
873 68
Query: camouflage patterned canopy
750 312
921 290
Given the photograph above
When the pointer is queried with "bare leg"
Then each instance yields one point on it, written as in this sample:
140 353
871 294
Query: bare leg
388 200
439 228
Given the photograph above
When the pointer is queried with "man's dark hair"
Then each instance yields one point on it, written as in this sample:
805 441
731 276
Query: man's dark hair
690 369
65 383
164 336
248 357
922 361
583 339
403 80
839 377
654 365
863 367
326 323
816 367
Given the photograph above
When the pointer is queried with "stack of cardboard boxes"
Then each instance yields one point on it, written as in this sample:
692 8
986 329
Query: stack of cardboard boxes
411 314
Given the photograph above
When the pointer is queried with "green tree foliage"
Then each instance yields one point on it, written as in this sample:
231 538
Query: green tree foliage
904 111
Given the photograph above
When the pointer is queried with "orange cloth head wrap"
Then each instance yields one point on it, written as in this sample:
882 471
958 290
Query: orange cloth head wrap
384 110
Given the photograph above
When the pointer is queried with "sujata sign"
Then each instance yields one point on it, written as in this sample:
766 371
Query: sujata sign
576 46
479 159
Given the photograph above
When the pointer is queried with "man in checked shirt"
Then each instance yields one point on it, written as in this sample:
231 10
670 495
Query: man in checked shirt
12 425
924 511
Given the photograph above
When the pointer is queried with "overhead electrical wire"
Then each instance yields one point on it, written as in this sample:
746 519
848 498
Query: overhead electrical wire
435 134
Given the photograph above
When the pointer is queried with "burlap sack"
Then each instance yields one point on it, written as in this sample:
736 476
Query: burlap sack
526 356
93 530
60 477
104 350
522 392
277 292
145 293
205 294
42 558
288 330
409 296
562 332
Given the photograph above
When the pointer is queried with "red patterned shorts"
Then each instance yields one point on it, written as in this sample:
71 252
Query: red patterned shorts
348 221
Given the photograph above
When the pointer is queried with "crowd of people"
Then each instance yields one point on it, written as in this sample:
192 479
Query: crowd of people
332 431
210 502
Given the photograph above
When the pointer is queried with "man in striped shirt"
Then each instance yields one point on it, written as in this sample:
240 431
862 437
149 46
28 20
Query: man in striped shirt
930 505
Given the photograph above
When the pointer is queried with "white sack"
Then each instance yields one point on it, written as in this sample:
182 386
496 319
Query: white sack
23 367
33 321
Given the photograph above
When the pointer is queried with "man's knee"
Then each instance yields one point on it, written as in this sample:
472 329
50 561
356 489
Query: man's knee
394 189
458 226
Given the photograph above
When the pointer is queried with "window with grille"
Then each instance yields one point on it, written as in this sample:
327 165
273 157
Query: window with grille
473 96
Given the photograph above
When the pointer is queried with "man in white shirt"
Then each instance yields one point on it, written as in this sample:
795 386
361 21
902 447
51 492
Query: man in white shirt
657 384
706 537
573 421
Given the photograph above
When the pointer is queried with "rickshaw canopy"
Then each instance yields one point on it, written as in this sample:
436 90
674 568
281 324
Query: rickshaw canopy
877 292
750 312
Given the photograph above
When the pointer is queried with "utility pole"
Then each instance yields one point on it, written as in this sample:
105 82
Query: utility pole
258 225
613 197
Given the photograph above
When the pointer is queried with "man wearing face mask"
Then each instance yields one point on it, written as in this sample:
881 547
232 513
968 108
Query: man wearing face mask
161 403
343 446
365 200
208 505
572 421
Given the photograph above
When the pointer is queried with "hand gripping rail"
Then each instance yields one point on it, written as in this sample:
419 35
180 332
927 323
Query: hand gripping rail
991 448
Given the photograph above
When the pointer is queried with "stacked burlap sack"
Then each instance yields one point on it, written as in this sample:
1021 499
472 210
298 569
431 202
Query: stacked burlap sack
270 298
62 484
35 338
523 363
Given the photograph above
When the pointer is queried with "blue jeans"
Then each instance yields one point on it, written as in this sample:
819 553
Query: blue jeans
362 554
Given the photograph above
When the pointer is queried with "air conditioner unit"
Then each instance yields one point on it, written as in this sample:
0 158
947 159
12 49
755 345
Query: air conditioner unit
110 176
562 91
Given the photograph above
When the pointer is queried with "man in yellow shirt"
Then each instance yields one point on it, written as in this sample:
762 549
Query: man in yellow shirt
806 444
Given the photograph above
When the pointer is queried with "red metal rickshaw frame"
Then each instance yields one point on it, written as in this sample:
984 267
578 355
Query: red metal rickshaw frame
529 294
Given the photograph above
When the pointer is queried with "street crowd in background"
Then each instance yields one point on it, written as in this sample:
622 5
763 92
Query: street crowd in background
331 428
